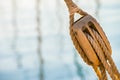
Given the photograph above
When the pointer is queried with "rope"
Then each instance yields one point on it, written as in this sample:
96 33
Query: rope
101 43
98 45
103 72
82 54
101 56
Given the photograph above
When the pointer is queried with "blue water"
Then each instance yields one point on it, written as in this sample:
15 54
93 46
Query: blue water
56 47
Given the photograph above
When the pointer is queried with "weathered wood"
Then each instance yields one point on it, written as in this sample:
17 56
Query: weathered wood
84 25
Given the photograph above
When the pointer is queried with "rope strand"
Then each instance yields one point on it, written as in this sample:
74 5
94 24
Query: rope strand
101 56
114 68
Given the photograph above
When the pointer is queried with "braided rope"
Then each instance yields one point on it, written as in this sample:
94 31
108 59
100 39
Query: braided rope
105 50
101 56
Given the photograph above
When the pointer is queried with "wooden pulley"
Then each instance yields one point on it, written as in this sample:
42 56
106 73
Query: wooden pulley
82 26
85 25
91 43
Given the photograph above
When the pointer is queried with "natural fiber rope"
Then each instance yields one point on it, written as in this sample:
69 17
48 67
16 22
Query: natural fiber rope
103 72
101 56
84 57
77 46
101 43
99 47
98 72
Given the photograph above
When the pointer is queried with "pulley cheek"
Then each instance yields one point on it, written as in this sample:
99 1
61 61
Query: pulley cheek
91 43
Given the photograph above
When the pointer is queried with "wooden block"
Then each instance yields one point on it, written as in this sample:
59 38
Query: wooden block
84 25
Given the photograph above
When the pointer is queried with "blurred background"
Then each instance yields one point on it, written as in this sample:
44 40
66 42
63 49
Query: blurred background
35 43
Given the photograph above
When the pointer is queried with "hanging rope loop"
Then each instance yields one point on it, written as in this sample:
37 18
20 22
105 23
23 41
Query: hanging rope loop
73 8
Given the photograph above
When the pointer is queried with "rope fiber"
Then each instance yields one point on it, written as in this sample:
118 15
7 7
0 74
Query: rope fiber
98 44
